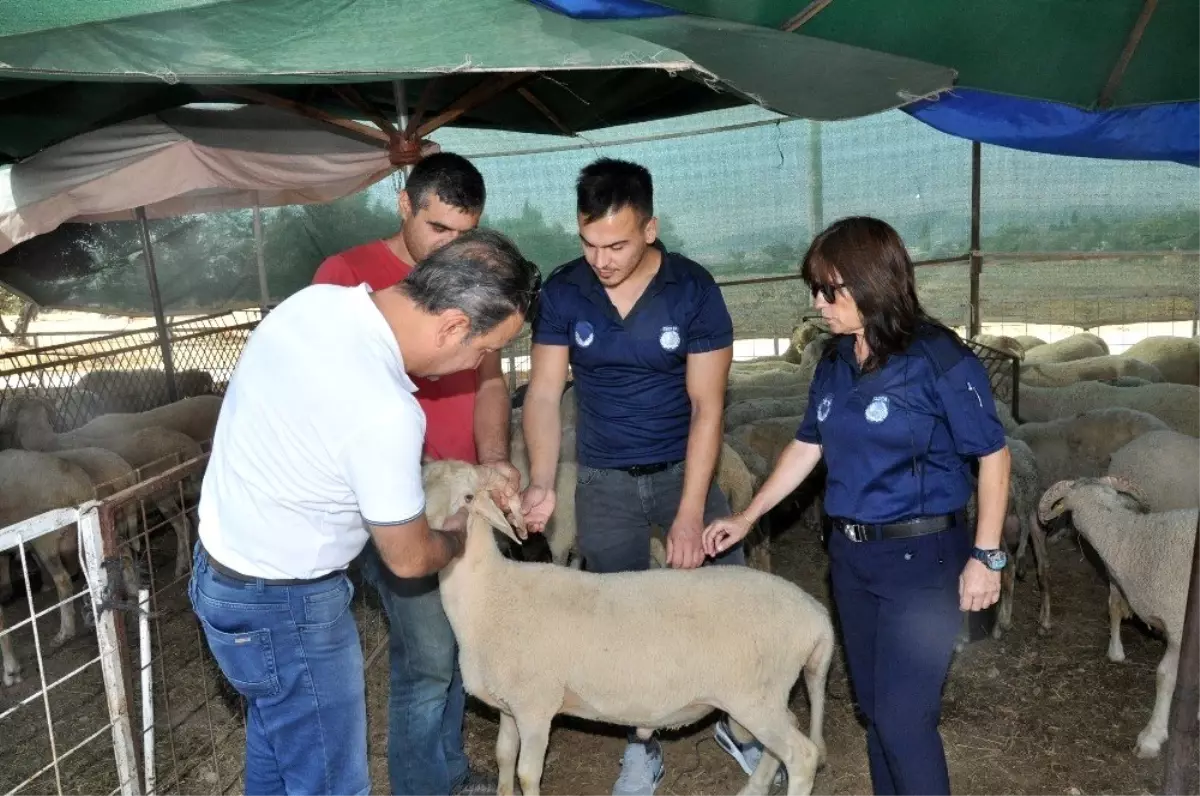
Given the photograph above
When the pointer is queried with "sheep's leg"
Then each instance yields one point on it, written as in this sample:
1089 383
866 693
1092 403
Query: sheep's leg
778 733
171 508
816 672
46 548
508 741
1118 609
12 667
1150 740
1043 569
534 733
6 585
1008 582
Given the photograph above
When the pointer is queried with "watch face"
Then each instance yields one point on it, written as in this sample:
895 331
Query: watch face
994 559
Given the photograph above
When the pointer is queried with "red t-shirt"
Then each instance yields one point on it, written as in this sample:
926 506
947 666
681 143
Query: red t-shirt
449 401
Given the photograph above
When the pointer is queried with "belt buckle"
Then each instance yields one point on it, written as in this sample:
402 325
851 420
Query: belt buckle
855 532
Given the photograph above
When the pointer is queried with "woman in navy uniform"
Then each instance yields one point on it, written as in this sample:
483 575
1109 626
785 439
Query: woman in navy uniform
900 410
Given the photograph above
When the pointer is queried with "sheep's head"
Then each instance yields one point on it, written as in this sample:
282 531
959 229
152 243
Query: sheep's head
451 485
1056 500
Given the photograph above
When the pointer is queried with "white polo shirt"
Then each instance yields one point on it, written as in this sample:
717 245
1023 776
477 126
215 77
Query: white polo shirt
318 431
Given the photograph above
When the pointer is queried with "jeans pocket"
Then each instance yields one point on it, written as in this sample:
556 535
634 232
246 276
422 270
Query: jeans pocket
586 475
324 608
246 659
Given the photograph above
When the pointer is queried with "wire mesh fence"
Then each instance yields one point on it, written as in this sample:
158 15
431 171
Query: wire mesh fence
59 725
127 371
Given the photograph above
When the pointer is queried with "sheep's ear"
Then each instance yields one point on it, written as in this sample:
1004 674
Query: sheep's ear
1053 502
485 507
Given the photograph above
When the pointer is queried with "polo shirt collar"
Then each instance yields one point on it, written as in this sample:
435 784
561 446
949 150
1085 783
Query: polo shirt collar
583 277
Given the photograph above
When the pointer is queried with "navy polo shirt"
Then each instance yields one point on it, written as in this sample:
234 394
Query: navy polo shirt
631 374
898 443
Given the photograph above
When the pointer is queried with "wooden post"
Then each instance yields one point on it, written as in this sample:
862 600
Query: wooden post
974 322
160 322
1183 744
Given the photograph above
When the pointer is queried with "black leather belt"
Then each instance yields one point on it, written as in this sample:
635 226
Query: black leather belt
648 469
866 532
235 575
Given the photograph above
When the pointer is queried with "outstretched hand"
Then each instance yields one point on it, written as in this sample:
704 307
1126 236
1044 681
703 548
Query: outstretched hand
724 533
537 505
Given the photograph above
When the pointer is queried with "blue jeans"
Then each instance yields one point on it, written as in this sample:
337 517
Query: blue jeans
898 606
293 653
426 701
614 511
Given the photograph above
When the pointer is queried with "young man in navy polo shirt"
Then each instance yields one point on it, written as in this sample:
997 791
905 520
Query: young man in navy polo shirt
649 342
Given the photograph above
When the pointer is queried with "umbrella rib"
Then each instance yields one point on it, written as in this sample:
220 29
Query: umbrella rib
806 14
1131 45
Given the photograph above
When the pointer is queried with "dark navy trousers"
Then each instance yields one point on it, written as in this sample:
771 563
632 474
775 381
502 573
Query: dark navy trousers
898 605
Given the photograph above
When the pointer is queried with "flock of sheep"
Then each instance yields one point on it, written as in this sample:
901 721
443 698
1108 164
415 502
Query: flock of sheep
1106 443
42 469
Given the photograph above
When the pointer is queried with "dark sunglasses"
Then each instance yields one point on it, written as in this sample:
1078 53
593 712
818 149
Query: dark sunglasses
829 292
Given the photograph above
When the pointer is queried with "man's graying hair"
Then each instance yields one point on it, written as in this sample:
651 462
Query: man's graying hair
481 273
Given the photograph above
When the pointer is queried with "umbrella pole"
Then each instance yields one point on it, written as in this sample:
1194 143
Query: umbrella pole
400 97
264 291
156 299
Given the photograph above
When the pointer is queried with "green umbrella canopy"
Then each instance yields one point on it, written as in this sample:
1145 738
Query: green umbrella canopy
67 68
1062 50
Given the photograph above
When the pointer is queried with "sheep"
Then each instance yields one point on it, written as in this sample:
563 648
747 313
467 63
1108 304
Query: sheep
1165 468
139 390
1061 374
803 336
1176 358
1006 345
1078 346
743 412
32 483
1071 447
1028 341
513 621
1149 556
152 450
1178 405
196 417
1020 526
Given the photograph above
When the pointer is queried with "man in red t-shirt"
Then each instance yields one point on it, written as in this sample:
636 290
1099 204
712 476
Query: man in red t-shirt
467 418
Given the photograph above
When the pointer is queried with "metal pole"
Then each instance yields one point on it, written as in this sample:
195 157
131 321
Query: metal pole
147 689
1182 774
400 96
156 299
974 322
264 291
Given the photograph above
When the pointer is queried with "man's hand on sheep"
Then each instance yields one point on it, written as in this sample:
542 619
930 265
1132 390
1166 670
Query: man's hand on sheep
724 533
978 586
537 504
504 481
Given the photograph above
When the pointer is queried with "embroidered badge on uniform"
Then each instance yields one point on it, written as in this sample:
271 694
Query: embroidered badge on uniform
669 339
584 334
877 410
824 407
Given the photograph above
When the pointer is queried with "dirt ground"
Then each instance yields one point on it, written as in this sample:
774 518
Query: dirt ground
1025 714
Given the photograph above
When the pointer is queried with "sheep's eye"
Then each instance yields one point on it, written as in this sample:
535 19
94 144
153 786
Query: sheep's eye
469 498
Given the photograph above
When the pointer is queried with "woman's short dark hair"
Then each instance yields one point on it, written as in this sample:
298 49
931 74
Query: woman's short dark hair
481 273
869 258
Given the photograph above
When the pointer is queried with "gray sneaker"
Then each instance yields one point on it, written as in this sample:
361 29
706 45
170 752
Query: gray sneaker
641 769
747 755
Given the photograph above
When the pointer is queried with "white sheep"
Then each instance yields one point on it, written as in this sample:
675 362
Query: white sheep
196 417
1028 342
1077 346
1061 374
536 641
1082 445
755 409
1176 358
1178 405
151 450
1164 466
1149 556
1002 343
32 483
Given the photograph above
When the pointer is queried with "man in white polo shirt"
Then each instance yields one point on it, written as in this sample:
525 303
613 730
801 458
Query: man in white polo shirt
318 448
